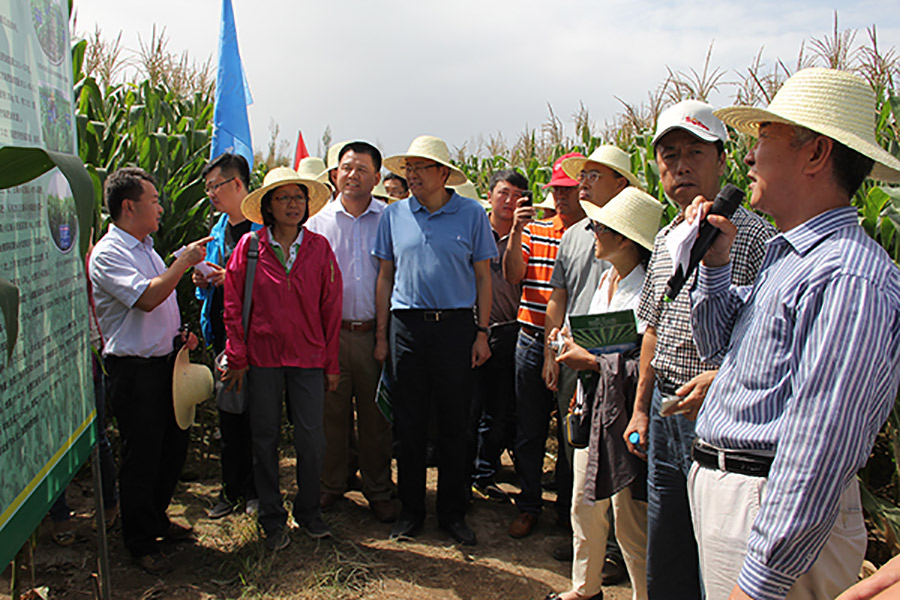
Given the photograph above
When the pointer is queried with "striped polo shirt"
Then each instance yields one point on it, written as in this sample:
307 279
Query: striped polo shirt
540 244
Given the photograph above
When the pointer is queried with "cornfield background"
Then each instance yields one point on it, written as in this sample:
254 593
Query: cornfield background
162 121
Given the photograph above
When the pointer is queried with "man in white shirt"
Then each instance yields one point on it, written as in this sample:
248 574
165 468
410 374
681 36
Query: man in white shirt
138 311
349 224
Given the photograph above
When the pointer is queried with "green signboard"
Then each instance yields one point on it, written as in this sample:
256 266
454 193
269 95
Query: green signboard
46 386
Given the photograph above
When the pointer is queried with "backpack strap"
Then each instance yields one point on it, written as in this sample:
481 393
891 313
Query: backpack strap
252 257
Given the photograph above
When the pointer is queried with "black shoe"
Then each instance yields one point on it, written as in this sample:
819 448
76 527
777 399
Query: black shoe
405 527
614 571
460 532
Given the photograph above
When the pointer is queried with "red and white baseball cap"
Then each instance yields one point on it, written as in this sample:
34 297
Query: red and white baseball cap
559 177
693 116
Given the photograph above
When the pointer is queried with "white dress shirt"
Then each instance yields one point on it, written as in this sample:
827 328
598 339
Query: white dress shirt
351 240
121 268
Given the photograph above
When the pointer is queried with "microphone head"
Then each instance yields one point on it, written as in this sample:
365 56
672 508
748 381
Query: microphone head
727 200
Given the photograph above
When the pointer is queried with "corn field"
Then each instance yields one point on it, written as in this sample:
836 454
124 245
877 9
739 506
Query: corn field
163 124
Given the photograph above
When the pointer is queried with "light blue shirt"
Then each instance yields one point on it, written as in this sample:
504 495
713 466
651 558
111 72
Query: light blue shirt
121 268
434 253
811 367
352 239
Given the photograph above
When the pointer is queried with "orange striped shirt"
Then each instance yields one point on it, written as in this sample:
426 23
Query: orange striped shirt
540 243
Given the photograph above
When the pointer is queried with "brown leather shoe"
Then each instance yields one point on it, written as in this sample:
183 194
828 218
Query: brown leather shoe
385 511
523 525
327 500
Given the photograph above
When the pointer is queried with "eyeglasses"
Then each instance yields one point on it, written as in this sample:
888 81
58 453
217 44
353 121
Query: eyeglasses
215 186
599 228
413 169
289 198
590 176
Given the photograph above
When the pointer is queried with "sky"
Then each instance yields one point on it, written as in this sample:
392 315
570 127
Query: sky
387 71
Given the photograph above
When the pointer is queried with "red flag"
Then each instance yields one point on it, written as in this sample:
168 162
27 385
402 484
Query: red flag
301 151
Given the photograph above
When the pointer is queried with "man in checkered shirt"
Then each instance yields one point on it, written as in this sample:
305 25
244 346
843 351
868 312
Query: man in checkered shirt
689 146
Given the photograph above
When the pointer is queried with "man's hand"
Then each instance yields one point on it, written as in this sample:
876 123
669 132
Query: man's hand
719 253
571 354
216 278
194 252
481 351
234 378
381 349
885 583
693 392
640 422
331 382
523 215
550 372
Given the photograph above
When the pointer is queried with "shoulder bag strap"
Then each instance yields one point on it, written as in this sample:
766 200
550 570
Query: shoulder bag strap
252 256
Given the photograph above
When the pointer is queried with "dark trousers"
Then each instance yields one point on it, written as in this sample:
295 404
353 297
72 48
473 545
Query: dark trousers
673 565
237 456
153 446
432 364
492 424
534 402
304 392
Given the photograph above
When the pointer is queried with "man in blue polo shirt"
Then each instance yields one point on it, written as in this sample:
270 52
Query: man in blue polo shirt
432 304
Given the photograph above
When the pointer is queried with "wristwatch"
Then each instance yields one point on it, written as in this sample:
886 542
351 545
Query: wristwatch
482 329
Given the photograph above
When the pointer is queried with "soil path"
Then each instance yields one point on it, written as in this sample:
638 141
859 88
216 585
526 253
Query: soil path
229 560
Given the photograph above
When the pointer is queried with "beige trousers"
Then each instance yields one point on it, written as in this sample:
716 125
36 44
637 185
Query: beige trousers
360 373
590 528
724 507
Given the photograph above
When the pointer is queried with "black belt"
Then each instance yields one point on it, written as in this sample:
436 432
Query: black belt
666 388
532 332
436 316
732 462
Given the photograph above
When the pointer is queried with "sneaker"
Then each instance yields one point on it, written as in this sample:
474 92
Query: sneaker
252 507
316 529
278 541
489 491
222 509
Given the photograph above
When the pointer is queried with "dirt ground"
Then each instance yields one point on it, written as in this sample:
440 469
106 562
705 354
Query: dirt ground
228 560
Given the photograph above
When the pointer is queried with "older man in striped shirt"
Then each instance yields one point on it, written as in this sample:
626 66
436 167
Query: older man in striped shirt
811 352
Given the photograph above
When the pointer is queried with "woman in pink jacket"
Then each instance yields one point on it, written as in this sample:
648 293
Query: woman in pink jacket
290 350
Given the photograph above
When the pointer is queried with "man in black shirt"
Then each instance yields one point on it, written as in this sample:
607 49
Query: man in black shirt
227 179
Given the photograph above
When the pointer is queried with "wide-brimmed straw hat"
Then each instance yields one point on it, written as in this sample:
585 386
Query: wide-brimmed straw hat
468 190
547 203
611 156
318 193
631 212
191 385
834 103
332 161
310 167
430 147
380 192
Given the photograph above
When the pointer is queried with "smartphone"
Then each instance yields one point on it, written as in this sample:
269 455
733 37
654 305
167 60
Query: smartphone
668 403
528 198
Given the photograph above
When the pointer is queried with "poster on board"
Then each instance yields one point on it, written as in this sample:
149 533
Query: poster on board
46 384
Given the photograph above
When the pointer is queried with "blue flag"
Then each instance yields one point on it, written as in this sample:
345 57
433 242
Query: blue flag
231 128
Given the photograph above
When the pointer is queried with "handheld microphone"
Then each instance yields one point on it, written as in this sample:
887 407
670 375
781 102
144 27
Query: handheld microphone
726 202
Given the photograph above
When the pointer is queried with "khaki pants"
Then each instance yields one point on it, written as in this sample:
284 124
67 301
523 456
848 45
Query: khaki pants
360 373
724 506
590 527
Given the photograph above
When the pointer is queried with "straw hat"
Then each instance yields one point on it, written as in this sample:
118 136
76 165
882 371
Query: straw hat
548 203
432 148
379 192
631 212
611 156
191 385
834 103
332 157
311 167
318 193
467 190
